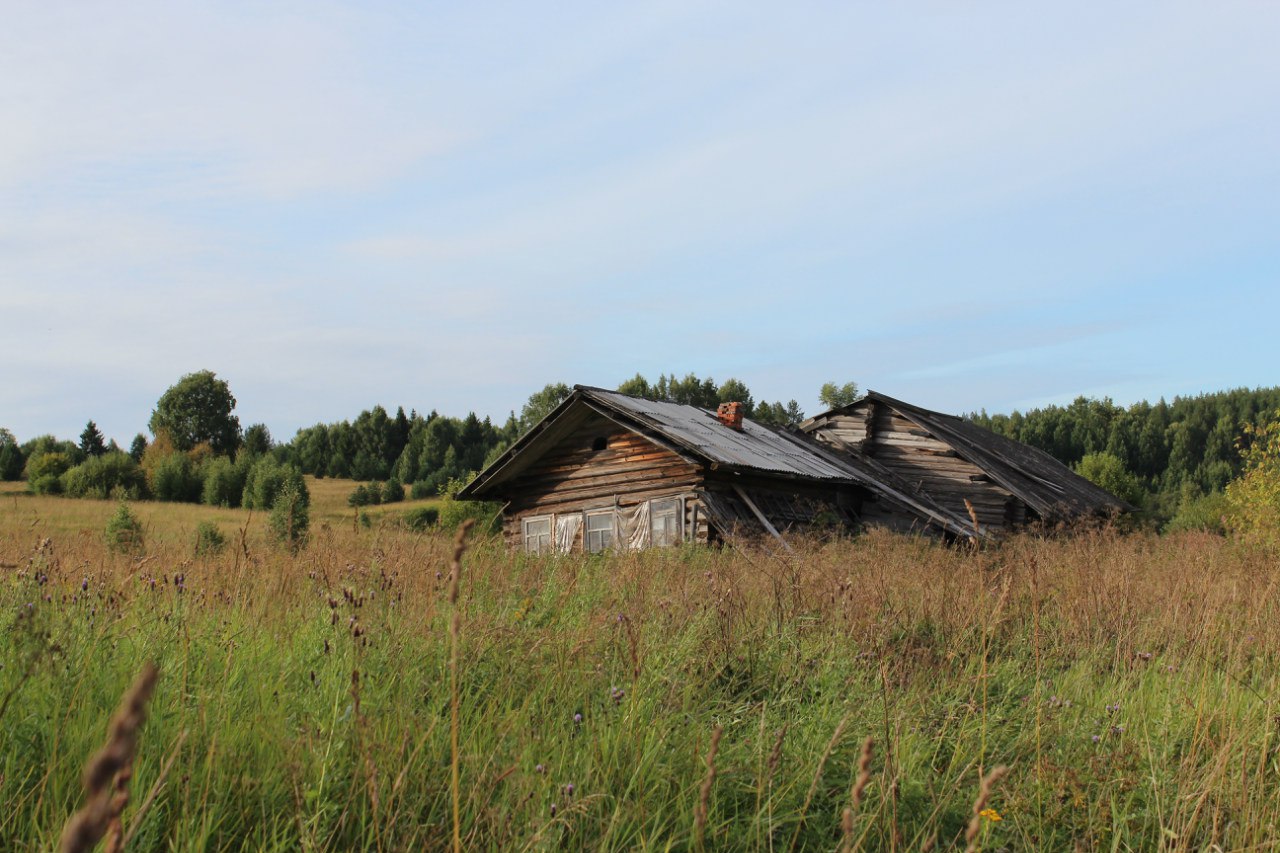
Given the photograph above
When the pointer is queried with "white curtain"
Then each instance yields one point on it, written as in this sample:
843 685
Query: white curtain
567 527
635 527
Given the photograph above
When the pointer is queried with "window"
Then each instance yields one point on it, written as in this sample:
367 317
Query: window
537 534
664 522
599 536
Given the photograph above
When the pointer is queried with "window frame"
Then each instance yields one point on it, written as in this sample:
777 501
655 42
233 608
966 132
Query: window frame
676 534
545 542
612 530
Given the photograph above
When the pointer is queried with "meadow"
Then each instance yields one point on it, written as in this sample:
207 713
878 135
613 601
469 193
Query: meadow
852 696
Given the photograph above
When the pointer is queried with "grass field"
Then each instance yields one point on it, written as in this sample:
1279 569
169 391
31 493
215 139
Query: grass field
671 700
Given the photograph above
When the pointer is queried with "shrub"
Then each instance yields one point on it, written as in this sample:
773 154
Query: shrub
392 491
423 489
209 539
1109 472
175 478
48 484
124 531
44 468
290 515
1203 512
224 481
1253 500
265 480
358 497
373 493
104 476
421 519
486 514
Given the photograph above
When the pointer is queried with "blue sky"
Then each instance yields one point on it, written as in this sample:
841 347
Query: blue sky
334 206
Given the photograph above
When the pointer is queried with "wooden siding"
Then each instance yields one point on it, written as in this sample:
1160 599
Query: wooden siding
573 477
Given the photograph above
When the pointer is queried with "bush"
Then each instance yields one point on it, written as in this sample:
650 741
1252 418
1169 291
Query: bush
224 481
265 480
1253 500
421 519
209 539
124 531
49 484
423 489
1109 472
392 491
358 497
44 468
175 478
101 477
486 514
290 514
1205 512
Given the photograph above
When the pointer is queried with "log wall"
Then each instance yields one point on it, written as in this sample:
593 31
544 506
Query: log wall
573 477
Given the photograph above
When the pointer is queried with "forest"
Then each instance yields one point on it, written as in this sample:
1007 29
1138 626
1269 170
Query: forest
1171 459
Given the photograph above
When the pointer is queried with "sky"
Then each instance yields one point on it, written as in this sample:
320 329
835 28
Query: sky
448 206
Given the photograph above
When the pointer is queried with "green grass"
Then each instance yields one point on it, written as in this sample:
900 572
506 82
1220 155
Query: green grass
1129 684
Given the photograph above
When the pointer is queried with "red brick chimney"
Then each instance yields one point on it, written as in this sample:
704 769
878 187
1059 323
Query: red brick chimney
730 414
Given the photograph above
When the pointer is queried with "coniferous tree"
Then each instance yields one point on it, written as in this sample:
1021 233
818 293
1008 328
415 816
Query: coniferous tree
91 440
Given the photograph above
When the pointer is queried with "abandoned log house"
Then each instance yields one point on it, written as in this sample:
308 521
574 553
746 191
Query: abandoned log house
605 470
1009 484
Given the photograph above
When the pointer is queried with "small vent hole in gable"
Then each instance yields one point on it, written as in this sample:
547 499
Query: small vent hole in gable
599 443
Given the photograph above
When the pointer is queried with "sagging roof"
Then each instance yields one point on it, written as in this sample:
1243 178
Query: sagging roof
698 436
1051 489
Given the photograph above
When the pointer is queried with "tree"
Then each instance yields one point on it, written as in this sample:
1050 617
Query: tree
290 515
837 396
138 447
198 409
91 440
541 403
11 458
1253 500
1109 472
257 440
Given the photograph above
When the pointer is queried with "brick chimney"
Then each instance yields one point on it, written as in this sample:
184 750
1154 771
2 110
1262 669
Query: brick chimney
730 414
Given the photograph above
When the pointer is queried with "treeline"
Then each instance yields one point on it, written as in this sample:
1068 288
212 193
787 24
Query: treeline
1174 453
1169 458
428 452
425 451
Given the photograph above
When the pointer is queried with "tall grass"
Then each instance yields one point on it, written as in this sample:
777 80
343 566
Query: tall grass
667 700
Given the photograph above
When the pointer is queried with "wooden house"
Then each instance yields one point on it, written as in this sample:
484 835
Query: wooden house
1008 484
607 470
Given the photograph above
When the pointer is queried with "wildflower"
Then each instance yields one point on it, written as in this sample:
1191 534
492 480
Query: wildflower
991 815
577 719
553 809
84 584
568 790
1113 709
1096 738
539 769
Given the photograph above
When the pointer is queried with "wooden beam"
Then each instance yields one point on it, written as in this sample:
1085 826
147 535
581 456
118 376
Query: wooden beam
773 531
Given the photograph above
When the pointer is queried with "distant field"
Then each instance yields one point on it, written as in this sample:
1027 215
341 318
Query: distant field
174 523
1130 684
